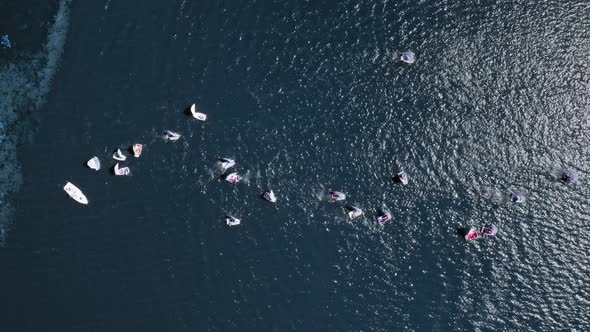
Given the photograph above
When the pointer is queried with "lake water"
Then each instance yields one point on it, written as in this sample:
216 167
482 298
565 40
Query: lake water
307 97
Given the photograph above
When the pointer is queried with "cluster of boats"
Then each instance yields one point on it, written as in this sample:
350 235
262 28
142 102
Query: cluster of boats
94 164
353 212
477 232
234 177
136 149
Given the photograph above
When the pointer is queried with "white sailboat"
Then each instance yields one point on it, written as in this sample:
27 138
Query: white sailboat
403 177
354 212
118 155
384 216
121 171
227 163
337 196
137 148
408 57
232 221
233 178
270 196
94 163
198 115
171 136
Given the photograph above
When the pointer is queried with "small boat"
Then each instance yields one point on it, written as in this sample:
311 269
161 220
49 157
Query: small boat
472 234
489 230
75 193
171 136
94 163
226 163
233 178
384 216
269 196
121 171
403 177
569 176
137 150
232 221
118 155
516 198
198 115
408 57
337 196
354 212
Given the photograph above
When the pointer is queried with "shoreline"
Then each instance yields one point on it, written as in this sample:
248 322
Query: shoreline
25 80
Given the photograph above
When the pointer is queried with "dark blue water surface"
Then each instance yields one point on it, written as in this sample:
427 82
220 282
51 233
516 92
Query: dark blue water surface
307 97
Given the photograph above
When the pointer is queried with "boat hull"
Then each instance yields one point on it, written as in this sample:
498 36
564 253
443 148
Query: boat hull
198 115
75 193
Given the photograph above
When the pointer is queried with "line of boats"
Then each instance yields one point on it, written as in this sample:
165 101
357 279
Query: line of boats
353 212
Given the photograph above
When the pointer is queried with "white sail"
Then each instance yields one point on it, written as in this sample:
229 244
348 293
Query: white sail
121 171
118 155
137 148
233 178
227 163
232 221
171 136
94 163
270 196
198 115
355 213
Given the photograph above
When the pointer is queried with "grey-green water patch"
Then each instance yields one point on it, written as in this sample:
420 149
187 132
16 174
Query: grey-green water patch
25 80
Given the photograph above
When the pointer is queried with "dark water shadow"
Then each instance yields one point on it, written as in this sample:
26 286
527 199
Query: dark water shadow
349 208
462 231
396 179
379 212
187 111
